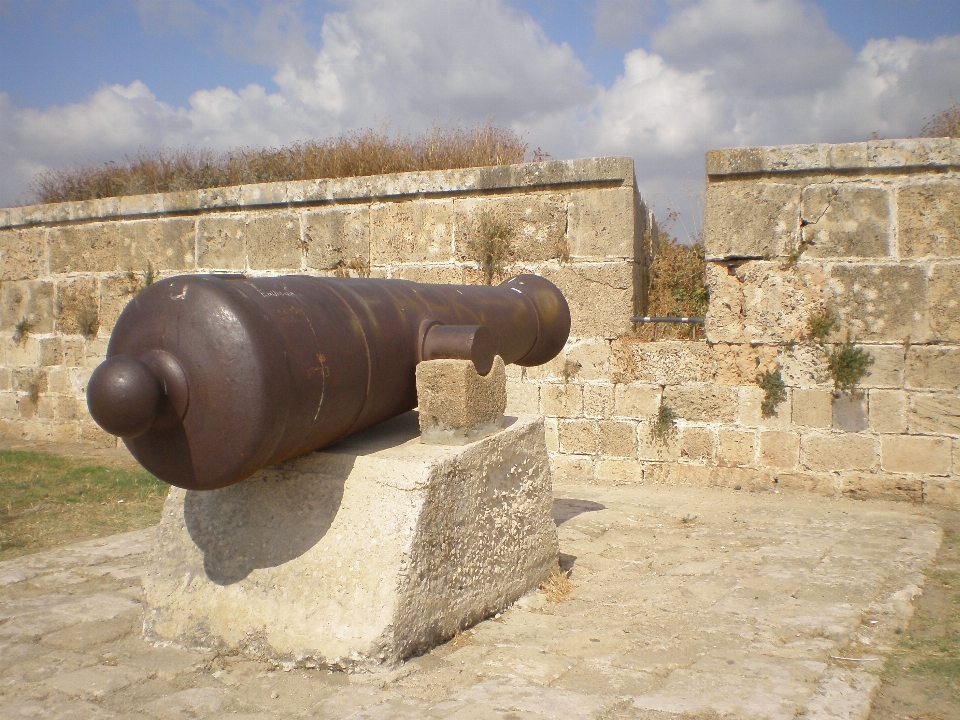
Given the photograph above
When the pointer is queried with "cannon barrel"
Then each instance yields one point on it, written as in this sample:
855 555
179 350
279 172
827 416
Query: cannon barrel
210 378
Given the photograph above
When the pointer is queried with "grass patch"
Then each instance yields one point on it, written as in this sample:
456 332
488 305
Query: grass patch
558 587
50 500
350 155
677 288
820 325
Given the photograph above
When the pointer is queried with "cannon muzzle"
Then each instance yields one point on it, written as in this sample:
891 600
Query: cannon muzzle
210 378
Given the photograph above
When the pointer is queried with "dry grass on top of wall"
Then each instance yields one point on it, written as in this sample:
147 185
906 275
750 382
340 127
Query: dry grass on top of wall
945 123
677 288
350 155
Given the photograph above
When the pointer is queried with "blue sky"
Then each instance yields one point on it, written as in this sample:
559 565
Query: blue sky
660 80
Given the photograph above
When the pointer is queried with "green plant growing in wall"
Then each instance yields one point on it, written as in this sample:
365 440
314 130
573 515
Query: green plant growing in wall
774 392
664 425
561 250
491 246
848 365
820 325
149 277
21 330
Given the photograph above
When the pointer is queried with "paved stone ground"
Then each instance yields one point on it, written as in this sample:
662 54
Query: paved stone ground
689 602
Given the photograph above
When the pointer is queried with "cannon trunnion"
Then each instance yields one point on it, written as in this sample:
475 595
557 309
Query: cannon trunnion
210 378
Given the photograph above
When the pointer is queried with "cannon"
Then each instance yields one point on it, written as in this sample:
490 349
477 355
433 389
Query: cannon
210 378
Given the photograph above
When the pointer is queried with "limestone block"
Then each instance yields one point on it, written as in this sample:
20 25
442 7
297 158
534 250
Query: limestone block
5 376
556 369
65 433
887 411
618 472
661 449
8 406
91 434
618 438
46 407
779 449
115 293
916 454
579 437
457 404
850 412
58 380
68 409
812 408
77 307
94 352
523 398
937 412
73 352
23 254
735 447
887 368
929 219
93 247
750 409
600 297
880 486
826 484
698 444
51 351
23 353
551 431
740 364
28 300
437 274
414 231
662 363
932 368
561 400
362 554
572 468
273 241
636 401
220 242
846 220
944 290
702 403
942 491
537 224
160 244
879 303
602 223
337 236
747 218
598 401
589 359
762 302
834 452
804 366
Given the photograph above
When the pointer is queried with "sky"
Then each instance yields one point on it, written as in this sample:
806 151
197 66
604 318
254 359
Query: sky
662 81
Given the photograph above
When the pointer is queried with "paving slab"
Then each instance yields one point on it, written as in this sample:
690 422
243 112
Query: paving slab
688 603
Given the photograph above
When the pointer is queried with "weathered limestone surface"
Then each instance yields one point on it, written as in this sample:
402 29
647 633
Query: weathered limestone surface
363 554
456 404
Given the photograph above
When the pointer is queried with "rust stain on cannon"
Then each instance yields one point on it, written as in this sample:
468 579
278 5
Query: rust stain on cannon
210 378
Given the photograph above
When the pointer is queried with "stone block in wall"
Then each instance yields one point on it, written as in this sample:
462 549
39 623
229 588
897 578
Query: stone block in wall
937 412
73 352
942 491
58 380
928 218
220 242
93 247
589 359
51 351
746 218
556 369
23 254
916 454
741 364
879 303
850 412
636 401
839 451
618 472
69 409
30 300
414 231
598 401
735 447
95 351
880 486
887 411
523 398
661 363
602 223
661 449
273 241
698 444
8 406
5 378
600 297
434 274
932 368
702 403
537 224
46 406
779 449
572 468
580 437
337 237
812 408
160 244
561 400
887 368
551 432
750 409
77 307
944 291
115 293
91 434
761 302
825 484
846 220
617 438
65 433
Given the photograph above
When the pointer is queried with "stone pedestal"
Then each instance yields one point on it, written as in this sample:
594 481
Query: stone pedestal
361 554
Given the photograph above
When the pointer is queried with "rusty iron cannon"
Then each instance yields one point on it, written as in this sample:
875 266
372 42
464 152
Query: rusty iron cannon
210 378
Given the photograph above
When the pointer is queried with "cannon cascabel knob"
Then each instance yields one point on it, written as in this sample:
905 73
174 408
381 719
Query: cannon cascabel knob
124 396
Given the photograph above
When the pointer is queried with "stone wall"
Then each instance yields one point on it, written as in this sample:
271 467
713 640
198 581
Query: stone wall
67 270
